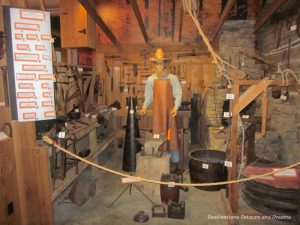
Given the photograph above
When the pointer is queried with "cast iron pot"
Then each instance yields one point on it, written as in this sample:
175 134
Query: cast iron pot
207 166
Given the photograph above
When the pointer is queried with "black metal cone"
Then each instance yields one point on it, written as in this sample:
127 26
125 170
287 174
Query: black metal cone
131 146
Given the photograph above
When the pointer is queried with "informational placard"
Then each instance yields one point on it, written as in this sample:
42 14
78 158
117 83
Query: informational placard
29 59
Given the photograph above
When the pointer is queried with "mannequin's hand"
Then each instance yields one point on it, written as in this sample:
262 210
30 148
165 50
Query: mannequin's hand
174 112
143 112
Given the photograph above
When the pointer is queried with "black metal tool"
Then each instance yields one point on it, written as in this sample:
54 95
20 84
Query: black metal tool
135 69
173 19
5 85
176 210
146 4
289 53
159 210
3 44
159 17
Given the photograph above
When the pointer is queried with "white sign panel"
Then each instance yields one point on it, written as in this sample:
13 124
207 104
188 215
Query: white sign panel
30 64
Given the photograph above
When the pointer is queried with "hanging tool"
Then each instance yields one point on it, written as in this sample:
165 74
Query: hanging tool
278 31
166 19
135 69
3 44
288 53
146 22
201 4
5 85
159 17
146 4
145 54
173 19
121 87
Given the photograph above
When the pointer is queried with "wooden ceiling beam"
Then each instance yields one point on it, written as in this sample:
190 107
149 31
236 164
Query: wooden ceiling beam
171 47
225 13
95 16
267 13
139 18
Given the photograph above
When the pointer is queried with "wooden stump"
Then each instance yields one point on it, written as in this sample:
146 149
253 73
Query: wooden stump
83 189
151 167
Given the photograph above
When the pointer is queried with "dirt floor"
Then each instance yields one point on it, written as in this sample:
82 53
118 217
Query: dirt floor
202 207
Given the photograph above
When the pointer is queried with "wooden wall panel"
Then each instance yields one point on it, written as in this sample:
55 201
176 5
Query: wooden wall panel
32 176
8 176
121 20
273 44
77 28
195 74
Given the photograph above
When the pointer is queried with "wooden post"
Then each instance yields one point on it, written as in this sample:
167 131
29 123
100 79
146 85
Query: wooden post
233 188
264 113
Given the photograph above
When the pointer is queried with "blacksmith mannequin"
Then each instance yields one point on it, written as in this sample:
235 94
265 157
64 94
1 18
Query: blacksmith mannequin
164 90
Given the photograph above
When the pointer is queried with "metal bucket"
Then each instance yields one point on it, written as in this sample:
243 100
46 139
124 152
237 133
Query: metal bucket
207 166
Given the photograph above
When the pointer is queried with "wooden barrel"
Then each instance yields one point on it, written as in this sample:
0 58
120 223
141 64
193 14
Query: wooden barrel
207 166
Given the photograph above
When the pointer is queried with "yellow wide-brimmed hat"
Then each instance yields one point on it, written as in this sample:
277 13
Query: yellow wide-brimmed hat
159 56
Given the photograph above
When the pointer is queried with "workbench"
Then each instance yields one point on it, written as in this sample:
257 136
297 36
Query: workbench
86 131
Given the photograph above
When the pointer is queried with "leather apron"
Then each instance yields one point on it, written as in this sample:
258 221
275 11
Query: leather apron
163 103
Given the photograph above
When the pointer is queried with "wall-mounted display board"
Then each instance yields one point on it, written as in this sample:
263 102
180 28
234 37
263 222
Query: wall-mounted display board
29 63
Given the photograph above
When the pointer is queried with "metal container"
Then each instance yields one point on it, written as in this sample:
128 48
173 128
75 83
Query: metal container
166 192
207 166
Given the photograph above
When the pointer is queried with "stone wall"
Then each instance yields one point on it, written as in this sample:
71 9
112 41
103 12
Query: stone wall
282 141
284 118
236 36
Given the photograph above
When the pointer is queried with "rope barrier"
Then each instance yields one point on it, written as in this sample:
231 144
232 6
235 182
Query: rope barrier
53 143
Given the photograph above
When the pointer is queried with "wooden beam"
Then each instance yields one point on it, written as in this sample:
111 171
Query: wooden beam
267 13
254 82
264 113
95 16
171 47
227 208
139 18
249 95
259 58
225 13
